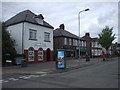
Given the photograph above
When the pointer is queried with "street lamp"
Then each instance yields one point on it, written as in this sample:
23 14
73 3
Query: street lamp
79 27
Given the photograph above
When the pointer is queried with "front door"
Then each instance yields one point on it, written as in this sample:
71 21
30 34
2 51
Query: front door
48 54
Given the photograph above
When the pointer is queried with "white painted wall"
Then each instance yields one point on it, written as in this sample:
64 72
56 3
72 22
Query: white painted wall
16 33
40 37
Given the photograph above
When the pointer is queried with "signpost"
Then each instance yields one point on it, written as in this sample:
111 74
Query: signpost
60 59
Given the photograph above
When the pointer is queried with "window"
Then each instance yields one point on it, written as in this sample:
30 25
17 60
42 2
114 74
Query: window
70 43
78 41
39 21
65 41
93 44
85 43
47 37
75 42
93 52
40 54
32 34
31 54
96 44
82 43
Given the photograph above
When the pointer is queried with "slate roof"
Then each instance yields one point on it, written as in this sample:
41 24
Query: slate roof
60 32
26 16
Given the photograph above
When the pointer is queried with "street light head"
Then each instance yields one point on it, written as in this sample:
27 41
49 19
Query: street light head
87 9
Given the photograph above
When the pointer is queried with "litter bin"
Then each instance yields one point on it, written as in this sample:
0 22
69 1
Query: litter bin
87 58
23 63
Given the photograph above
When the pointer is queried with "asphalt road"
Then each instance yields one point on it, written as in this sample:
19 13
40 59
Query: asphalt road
99 75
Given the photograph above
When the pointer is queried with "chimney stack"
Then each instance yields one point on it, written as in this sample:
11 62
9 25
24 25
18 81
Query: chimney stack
87 34
62 26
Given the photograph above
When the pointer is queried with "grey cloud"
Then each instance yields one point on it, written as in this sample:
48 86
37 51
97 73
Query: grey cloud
55 13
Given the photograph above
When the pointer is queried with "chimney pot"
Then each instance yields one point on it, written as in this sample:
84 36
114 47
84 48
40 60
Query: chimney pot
62 26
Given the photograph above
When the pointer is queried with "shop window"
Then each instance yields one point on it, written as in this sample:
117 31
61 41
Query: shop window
40 54
31 54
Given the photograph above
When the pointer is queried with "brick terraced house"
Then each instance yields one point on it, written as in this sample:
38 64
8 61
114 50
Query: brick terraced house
91 46
63 39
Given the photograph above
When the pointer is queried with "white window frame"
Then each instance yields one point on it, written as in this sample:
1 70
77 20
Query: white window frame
65 41
46 36
70 41
40 55
32 34
39 21
76 42
85 43
92 51
29 55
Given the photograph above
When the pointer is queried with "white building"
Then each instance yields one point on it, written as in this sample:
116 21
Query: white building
33 36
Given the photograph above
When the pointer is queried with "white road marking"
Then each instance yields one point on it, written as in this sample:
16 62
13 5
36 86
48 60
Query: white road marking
31 75
35 76
14 79
26 77
22 76
4 81
43 74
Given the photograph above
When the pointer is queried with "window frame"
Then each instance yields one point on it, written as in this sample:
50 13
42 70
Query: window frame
29 51
34 34
70 41
46 33
40 50
65 41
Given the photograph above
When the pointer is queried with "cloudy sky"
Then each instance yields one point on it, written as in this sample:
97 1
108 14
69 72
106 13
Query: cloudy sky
101 14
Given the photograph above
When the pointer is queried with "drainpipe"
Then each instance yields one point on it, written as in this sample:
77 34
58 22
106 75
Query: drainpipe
23 37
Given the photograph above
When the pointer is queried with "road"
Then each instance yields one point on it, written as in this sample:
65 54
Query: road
99 75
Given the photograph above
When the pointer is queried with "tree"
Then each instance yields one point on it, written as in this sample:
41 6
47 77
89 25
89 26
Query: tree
106 37
8 50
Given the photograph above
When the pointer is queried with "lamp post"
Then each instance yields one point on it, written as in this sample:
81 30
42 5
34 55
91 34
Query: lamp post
79 27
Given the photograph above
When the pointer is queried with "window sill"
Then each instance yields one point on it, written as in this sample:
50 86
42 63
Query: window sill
46 41
33 39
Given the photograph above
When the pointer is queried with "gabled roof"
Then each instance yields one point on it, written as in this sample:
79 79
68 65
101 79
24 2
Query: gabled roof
87 37
60 32
26 16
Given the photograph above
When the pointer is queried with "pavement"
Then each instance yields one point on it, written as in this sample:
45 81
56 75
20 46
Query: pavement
50 67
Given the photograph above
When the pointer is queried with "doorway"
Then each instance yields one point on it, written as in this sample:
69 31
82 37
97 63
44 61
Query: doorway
48 55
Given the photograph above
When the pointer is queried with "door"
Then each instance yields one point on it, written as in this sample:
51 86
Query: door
48 54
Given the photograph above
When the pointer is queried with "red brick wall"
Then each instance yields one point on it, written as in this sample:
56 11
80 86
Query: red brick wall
44 55
36 56
51 56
